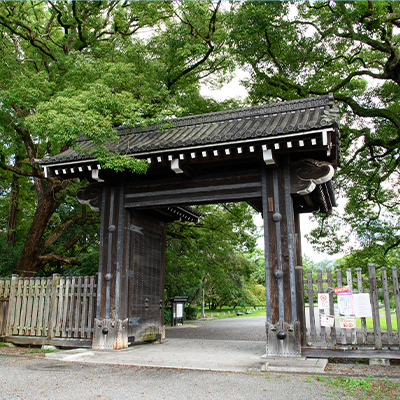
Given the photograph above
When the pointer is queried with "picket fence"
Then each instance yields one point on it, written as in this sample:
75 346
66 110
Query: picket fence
55 310
382 289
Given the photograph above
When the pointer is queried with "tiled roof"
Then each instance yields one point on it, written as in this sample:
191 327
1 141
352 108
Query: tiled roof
217 128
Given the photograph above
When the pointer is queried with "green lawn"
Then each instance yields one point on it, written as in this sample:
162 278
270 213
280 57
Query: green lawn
232 312
383 322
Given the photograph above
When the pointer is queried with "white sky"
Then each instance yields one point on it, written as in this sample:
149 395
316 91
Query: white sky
234 89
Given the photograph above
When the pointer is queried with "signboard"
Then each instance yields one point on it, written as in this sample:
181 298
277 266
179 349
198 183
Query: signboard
362 305
327 320
345 302
323 301
179 310
341 289
348 322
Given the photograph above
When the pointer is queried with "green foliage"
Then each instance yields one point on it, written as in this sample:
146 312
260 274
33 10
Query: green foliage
351 49
8 257
190 312
210 255
73 69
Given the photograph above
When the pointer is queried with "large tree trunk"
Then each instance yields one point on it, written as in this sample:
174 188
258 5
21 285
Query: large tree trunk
29 261
12 212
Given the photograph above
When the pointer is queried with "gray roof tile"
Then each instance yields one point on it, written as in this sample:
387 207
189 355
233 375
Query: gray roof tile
225 126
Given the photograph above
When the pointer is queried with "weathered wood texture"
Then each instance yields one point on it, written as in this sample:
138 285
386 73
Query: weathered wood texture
212 187
5 285
57 307
131 273
146 278
114 250
383 288
281 253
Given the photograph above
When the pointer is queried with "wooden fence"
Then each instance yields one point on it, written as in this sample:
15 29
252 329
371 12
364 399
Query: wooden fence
57 310
385 304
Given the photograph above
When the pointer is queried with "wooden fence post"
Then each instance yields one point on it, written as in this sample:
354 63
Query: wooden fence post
375 306
331 305
53 306
310 291
300 305
322 328
395 280
363 320
339 282
387 305
11 304
349 279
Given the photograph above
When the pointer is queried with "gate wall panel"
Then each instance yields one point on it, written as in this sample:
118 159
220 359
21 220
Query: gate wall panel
146 278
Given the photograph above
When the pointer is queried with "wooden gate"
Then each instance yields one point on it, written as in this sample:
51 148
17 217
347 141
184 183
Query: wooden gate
57 310
146 279
381 331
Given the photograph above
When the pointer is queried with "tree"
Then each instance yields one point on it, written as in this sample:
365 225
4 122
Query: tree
69 67
210 255
350 49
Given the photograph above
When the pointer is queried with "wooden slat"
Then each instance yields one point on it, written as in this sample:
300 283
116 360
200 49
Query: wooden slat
331 305
375 306
12 305
47 301
35 308
41 303
5 285
53 306
84 307
320 290
310 291
363 320
339 281
387 305
60 303
20 289
38 341
349 278
29 306
66 305
24 301
3 317
349 353
205 197
78 307
71 309
395 280
92 305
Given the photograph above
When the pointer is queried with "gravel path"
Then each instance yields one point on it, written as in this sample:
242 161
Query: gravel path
253 329
30 376
39 378
244 328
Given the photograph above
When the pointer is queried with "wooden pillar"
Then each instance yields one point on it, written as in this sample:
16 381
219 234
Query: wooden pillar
299 279
282 325
130 291
111 322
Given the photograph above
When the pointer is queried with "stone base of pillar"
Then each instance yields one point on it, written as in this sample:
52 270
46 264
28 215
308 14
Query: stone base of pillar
110 334
283 339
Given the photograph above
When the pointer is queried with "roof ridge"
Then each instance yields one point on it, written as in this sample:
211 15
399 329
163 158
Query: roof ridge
219 116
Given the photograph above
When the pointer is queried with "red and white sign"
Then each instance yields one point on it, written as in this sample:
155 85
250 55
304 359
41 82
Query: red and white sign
341 289
348 323
323 301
